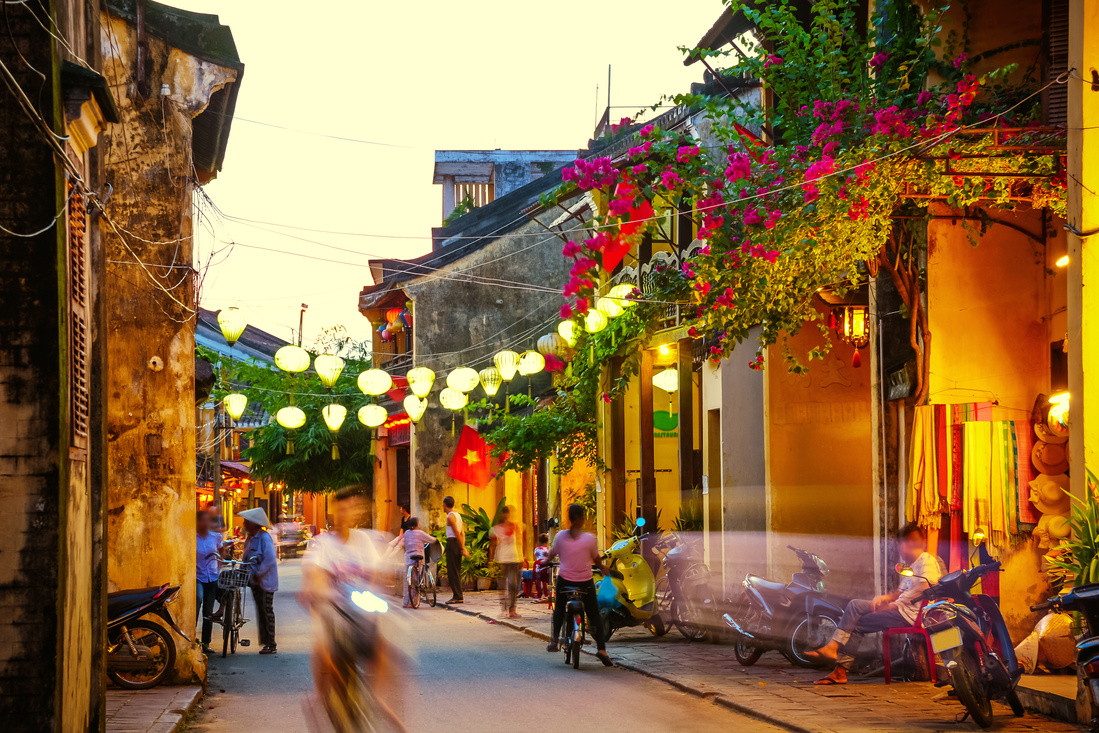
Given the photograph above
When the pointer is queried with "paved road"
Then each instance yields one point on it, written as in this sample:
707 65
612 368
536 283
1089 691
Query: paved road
468 676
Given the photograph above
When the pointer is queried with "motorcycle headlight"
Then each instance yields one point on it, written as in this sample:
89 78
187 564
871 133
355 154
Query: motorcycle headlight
369 602
821 565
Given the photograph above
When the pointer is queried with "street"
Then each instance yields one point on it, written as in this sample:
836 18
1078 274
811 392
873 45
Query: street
469 675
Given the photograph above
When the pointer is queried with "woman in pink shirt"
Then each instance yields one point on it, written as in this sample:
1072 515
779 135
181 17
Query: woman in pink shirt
578 551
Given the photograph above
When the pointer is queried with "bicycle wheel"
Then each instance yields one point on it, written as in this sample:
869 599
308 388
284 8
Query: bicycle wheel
577 639
227 622
428 589
414 586
238 620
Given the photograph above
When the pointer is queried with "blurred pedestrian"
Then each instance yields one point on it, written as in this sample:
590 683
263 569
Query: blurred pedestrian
505 546
259 549
541 566
207 551
455 550
414 541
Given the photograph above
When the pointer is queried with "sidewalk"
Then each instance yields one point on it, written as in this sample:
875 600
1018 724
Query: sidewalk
159 710
772 689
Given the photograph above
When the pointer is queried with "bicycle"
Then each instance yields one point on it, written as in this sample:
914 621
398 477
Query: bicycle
575 626
233 579
421 582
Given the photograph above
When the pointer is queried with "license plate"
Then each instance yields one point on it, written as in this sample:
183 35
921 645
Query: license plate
946 639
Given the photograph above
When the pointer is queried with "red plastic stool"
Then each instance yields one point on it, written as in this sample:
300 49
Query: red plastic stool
916 629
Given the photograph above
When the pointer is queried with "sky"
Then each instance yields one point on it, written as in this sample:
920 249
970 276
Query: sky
413 77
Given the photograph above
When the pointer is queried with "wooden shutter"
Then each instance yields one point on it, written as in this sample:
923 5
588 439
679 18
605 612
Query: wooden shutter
77 240
1055 97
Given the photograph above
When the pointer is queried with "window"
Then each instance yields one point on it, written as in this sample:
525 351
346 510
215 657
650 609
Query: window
1055 98
77 245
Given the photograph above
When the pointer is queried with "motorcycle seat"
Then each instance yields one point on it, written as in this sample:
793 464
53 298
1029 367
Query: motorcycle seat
764 584
125 601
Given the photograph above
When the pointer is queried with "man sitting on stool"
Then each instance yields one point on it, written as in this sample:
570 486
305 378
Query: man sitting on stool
888 611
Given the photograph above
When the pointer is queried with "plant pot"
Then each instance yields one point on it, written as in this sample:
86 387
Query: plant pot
484 583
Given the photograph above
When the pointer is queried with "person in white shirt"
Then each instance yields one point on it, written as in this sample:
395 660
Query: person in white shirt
888 611
506 548
455 550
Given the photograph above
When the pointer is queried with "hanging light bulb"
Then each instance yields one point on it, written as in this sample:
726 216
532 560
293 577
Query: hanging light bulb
292 359
667 380
621 294
595 321
235 404
290 418
552 343
531 362
232 323
375 382
491 381
329 368
507 362
334 416
420 380
610 307
567 330
373 416
415 407
462 379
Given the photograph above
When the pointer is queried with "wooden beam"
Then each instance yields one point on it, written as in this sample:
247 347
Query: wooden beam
646 440
616 504
687 480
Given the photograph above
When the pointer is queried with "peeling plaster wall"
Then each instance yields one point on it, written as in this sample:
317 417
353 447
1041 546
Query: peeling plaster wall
150 401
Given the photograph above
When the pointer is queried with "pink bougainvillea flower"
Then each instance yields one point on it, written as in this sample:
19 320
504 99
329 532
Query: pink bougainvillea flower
619 207
669 179
640 170
641 150
606 398
647 131
686 152
571 249
566 312
961 60
692 332
582 305
740 167
752 215
772 60
553 364
879 59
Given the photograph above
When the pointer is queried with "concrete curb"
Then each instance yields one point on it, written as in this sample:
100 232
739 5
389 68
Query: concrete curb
713 697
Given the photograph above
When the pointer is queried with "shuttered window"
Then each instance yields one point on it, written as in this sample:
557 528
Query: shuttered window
77 238
1056 42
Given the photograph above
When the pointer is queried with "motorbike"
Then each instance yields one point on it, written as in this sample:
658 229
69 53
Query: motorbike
683 593
969 634
140 653
791 618
1085 600
627 597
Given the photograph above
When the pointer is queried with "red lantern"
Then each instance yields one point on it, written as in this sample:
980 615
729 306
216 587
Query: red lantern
392 314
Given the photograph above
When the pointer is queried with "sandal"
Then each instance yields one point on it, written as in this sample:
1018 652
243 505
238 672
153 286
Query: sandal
604 658
551 647
829 681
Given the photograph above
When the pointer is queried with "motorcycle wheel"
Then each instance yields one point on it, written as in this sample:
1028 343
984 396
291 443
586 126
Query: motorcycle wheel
972 694
799 641
661 623
745 653
153 636
691 612
655 625
1015 703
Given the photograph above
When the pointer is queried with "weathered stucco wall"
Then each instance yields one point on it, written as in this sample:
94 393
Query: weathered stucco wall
150 409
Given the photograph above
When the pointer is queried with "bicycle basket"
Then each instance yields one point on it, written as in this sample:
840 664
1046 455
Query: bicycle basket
234 576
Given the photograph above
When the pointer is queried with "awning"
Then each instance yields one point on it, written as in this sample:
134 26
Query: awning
236 468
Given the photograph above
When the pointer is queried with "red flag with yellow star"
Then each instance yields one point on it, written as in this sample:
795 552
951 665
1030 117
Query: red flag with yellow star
470 461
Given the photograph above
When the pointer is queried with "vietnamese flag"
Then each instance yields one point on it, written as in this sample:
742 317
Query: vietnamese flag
470 461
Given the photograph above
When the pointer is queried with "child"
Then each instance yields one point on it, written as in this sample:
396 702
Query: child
413 540
541 566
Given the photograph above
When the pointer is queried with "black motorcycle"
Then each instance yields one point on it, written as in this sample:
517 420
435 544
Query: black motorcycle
792 618
684 597
969 634
140 653
1085 600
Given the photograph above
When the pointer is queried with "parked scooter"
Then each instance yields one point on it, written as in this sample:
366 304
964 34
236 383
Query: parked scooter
1085 599
791 618
969 634
140 653
628 596
684 597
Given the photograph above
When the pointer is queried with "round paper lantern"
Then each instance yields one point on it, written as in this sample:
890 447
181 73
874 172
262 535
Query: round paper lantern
552 343
567 331
491 381
290 418
235 404
392 315
621 293
507 362
462 379
334 415
232 323
595 321
373 416
667 380
406 318
531 362
420 380
292 359
452 399
415 407
375 382
608 306
329 368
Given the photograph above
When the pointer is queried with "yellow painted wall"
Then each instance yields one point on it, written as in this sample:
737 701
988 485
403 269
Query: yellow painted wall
666 455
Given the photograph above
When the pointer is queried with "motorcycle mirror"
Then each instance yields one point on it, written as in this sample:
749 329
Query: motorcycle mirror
978 536
904 570
641 521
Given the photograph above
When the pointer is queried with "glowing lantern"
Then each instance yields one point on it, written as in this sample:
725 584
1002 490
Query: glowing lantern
420 380
531 362
292 359
595 321
567 330
507 362
491 381
334 415
415 407
462 379
232 323
375 382
609 307
552 343
235 404
392 315
329 368
621 294
1058 413
854 328
667 380
373 416
290 418
452 399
